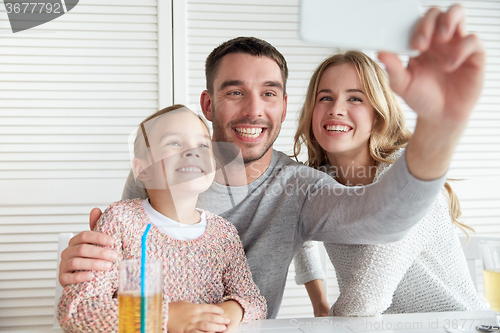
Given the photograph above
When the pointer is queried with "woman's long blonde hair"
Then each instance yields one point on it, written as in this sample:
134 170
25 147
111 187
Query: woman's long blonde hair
389 132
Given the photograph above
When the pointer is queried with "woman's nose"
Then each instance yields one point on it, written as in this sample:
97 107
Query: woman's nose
337 110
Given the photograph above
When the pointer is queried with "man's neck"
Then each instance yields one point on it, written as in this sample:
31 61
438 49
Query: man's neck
237 173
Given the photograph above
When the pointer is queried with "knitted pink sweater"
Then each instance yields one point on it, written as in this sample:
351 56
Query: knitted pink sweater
210 270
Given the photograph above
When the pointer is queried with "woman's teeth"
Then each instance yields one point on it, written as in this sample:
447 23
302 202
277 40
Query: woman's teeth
337 128
249 132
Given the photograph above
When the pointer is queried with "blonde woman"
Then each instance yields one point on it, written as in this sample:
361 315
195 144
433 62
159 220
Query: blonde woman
354 129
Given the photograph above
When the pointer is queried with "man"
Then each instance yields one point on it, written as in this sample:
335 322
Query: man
279 204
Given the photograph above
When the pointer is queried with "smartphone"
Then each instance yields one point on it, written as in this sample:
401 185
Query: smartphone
379 25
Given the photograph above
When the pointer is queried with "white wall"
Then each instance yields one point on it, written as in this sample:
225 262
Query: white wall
71 91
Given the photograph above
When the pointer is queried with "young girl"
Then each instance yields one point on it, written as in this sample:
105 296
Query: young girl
354 129
204 262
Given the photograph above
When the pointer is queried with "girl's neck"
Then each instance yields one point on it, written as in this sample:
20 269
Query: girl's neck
354 168
180 208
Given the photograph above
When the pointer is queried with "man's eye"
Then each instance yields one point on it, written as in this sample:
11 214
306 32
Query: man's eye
269 94
235 93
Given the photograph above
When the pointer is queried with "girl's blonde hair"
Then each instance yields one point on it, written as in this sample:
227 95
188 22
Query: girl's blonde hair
141 143
389 132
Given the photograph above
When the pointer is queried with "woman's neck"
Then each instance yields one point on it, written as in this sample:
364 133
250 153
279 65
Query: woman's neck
180 208
353 168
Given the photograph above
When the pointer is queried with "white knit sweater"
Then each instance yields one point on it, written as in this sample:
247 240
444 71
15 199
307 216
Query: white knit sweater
425 272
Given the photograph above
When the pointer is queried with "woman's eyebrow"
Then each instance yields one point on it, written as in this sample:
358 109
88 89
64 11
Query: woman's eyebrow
355 90
328 91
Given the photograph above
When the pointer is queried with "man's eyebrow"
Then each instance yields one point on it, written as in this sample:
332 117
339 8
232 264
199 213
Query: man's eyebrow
229 83
273 84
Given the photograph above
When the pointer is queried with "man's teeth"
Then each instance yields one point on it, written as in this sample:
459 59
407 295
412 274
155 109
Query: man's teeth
190 169
249 132
337 128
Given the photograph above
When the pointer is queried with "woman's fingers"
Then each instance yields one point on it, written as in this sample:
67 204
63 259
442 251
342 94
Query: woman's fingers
422 36
468 49
399 76
450 24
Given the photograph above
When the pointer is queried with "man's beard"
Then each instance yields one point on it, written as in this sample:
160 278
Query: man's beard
219 133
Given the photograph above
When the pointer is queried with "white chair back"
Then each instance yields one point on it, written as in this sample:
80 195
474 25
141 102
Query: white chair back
62 244
472 253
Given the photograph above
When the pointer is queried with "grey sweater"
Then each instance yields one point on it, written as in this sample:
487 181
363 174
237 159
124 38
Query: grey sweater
292 203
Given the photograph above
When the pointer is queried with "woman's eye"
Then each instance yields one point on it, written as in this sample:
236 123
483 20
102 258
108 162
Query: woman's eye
326 98
355 99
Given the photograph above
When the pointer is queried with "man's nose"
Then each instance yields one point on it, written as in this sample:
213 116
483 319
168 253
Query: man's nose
253 107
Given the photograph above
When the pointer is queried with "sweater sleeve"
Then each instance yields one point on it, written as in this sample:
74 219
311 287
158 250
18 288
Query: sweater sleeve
307 264
368 288
238 283
93 306
378 213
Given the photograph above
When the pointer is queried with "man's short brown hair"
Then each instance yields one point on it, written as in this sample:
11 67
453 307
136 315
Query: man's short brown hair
249 45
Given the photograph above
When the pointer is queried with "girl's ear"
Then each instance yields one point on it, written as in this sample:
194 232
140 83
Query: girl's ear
139 167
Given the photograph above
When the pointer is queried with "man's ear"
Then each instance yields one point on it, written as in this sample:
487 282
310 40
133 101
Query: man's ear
139 168
285 103
206 104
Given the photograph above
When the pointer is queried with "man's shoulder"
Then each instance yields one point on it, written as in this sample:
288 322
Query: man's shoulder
285 164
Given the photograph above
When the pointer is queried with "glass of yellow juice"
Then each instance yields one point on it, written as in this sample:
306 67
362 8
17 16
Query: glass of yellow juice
129 296
490 251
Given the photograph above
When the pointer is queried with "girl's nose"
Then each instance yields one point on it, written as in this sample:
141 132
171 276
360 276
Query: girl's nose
191 152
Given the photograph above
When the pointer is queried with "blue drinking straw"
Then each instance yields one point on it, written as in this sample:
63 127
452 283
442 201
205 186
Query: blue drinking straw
143 279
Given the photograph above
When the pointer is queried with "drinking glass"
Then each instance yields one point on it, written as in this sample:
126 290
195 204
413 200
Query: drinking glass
129 296
490 251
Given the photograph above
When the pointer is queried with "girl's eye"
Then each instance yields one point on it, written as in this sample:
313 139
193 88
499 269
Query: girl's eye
174 143
204 145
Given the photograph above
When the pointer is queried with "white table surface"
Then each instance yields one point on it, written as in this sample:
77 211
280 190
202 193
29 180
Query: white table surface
457 322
